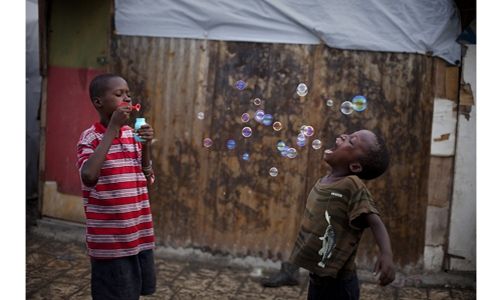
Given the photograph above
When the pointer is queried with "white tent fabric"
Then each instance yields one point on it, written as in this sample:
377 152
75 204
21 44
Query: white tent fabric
423 26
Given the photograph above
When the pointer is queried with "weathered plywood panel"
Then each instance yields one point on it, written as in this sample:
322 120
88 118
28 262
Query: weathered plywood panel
212 199
440 181
62 206
76 36
79 33
67 104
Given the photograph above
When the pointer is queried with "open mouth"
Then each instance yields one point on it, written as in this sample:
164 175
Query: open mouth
338 141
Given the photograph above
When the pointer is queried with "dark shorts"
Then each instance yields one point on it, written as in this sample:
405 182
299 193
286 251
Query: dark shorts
323 288
124 278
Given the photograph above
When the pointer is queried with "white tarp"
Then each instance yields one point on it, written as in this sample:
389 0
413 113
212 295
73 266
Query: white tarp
415 26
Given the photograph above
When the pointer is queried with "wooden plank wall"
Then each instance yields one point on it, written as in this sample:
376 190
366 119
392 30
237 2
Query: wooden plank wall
441 173
212 199
446 81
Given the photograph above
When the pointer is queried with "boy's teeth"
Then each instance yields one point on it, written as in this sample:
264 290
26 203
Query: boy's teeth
328 151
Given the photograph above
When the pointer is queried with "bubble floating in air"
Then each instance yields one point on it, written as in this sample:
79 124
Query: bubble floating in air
246 132
245 156
257 101
316 144
273 172
301 138
245 117
259 115
359 103
308 130
207 142
277 126
302 89
329 102
284 152
267 119
201 115
231 144
346 108
240 85
291 153
280 145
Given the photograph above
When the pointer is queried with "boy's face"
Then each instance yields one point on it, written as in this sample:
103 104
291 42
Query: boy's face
115 94
348 149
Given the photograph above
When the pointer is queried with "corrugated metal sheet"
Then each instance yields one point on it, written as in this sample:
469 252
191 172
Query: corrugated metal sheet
212 199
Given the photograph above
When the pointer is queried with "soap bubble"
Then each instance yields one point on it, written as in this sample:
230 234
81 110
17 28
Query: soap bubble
273 172
231 144
245 117
245 156
284 152
329 102
267 119
316 144
259 115
308 130
301 140
257 101
201 115
207 142
302 129
277 126
246 131
346 108
240 85
280 145
291 153
358 103
302 89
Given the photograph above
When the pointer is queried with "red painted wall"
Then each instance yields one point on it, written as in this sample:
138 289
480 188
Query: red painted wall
69 112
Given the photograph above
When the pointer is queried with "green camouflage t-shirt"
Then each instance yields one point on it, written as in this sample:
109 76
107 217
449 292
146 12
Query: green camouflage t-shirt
345 200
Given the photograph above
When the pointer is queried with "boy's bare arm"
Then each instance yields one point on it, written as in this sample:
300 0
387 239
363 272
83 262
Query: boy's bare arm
384 265
91 169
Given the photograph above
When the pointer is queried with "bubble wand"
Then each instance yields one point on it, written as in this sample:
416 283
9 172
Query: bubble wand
137 107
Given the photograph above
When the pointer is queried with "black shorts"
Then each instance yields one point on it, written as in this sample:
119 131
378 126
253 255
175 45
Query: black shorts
323 288
124 278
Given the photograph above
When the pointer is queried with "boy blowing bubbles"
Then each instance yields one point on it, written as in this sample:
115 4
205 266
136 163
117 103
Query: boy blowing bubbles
115 171
341 200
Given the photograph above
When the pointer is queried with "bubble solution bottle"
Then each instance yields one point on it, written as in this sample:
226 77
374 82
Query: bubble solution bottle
138 123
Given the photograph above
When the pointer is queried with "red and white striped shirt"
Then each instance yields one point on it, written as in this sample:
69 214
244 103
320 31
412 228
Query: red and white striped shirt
119 221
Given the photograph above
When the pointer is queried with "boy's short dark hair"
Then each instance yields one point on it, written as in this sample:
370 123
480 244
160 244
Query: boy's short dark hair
376 161
99 84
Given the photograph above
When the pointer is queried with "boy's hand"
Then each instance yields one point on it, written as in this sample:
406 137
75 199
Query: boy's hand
385 268
120 116
146 132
